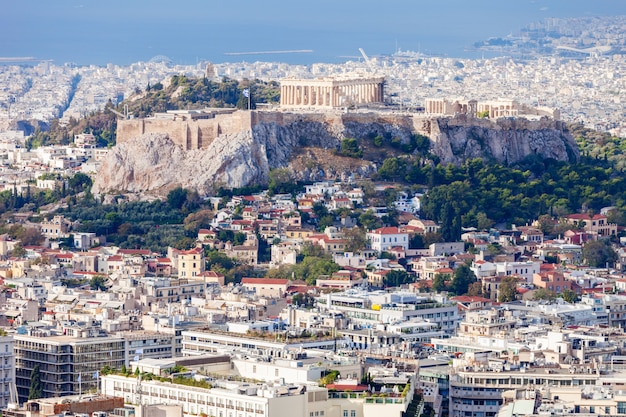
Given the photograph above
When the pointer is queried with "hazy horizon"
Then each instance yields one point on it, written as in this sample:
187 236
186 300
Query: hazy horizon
95 32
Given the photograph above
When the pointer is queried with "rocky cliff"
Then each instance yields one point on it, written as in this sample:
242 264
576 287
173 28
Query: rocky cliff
505 140
154 164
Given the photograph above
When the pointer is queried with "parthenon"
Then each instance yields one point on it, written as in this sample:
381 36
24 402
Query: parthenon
331 92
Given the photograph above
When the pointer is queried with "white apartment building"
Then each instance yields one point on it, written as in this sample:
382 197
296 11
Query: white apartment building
238 399
198 342
7 370
385 238
378 307
228 400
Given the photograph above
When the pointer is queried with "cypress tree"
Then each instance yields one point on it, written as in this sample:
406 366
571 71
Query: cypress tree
36 390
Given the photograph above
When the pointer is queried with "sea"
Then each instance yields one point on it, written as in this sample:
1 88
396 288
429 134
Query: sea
293 31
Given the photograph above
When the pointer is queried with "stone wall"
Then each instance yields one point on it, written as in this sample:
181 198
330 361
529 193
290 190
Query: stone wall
187 133
239 149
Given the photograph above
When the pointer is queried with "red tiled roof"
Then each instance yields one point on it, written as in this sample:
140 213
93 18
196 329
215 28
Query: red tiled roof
470 299
584 216
134 251
387 231
269 281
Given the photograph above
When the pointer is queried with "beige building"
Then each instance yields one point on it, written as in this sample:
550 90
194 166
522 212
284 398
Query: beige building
56 228
331 92
191 263
266 287
596 225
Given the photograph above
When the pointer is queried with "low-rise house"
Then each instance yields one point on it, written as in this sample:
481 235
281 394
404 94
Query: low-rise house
56 228
384 238
266 287
596 224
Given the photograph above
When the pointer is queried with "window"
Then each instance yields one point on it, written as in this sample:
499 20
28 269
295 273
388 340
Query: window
352 413
345 413
621 407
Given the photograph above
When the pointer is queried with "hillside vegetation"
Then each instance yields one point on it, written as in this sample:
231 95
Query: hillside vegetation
180 92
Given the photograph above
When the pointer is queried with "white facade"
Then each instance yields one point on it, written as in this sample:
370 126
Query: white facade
232 400
386 238
522 269
7 370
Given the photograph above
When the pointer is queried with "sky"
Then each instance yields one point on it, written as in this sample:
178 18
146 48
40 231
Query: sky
126 31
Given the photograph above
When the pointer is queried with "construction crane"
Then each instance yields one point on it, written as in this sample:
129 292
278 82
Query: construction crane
122 115
366 59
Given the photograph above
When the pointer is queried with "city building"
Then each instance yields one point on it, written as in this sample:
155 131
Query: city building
385 238
67 365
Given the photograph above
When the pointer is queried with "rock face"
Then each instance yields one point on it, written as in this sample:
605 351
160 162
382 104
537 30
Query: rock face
153 164
504 140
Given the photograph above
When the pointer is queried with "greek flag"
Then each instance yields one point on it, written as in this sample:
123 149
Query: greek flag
246 92
96 375
78 377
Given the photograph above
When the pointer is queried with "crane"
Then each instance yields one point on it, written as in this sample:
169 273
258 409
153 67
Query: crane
122 115
366 59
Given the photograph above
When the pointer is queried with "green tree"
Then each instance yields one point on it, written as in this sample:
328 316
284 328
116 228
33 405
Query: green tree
98 282
30 236
369 221
36 391
569 296
416 241
432 237
177 197
19 251
507 291
598 253
355 238
303 300
475 289
546 224
461 280
544 294
79 182
483 222
350 147
200 219
396 278
392 169
281 181
439 283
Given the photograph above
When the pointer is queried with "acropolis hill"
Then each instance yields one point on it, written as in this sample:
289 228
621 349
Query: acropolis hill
201 149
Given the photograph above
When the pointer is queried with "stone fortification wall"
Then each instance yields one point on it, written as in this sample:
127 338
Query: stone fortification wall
238 149
185 132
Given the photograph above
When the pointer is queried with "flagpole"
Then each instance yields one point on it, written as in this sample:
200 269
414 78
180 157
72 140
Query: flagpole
249 94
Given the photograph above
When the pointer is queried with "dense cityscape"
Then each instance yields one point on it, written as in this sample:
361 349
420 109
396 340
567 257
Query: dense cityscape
405 235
